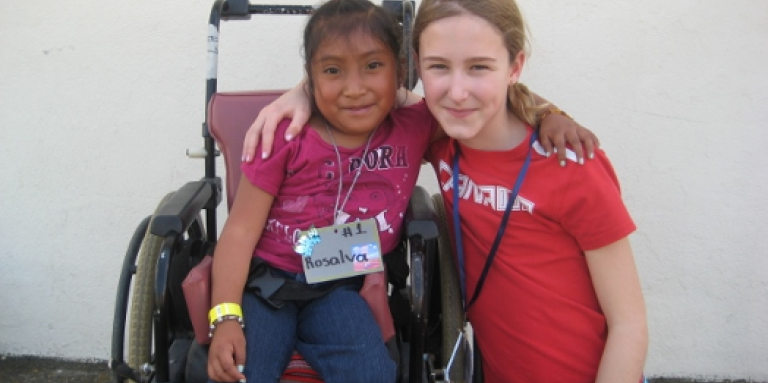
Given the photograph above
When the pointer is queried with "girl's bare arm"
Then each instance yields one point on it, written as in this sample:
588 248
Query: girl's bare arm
231 262
617 285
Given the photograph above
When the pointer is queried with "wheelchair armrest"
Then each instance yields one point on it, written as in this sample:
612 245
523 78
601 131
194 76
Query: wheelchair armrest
422 232
421 220
178 212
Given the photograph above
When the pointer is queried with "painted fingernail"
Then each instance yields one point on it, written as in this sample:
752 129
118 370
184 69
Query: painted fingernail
241 368
581 161
264 155
247 158
562 164
547 154
242 380
242 158
555 150
591 156
288 137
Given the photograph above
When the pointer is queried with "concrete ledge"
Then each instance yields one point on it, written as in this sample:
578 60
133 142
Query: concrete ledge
689 380
35 369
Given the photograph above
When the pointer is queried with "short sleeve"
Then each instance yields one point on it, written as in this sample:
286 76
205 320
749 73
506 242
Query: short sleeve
417 118
420 121
592 209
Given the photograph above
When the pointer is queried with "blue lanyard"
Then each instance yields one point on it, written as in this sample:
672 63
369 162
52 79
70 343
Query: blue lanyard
499 235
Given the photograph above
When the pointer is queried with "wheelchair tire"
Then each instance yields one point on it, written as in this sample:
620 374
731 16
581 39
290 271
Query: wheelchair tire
452 312
142 300
121 370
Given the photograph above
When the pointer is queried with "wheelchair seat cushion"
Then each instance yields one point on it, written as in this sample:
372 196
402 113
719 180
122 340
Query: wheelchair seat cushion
298 371
230 116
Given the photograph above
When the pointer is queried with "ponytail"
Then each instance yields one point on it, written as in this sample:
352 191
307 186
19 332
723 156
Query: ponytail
523 105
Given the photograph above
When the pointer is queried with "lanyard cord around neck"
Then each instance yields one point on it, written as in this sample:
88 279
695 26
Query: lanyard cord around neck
336 209
499 235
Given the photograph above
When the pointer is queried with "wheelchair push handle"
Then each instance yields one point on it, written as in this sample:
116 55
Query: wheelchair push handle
242 9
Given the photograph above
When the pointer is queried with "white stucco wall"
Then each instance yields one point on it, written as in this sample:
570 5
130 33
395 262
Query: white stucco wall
99 100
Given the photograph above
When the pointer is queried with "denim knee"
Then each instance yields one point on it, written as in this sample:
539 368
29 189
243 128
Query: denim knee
339 337
377 368
370 363
270 337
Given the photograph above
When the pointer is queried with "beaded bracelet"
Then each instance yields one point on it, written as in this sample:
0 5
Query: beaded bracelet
218 320
552 110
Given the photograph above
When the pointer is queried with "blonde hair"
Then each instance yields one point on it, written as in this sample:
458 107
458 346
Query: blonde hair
505 16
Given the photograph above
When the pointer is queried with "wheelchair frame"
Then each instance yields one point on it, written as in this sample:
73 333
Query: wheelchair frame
147 280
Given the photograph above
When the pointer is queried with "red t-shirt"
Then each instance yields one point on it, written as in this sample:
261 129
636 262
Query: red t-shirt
303 176
537 318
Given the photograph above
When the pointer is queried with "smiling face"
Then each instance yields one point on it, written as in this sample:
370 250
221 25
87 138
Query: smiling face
466 71
354 81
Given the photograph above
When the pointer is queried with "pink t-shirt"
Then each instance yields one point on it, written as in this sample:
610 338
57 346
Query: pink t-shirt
537 318
303 175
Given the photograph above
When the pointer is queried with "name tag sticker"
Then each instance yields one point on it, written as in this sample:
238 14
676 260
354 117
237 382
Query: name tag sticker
340 251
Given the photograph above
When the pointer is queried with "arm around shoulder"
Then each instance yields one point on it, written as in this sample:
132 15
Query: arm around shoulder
558 129
294 104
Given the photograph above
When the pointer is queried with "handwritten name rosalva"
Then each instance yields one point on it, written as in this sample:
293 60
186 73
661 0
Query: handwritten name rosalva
311 262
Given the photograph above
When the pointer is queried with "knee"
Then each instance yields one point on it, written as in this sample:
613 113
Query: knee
370 365
381 369
374 367
387 371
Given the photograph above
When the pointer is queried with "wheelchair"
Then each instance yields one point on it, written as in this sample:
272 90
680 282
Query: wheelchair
153 338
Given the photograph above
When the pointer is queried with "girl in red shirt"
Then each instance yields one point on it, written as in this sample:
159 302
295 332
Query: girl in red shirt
560 299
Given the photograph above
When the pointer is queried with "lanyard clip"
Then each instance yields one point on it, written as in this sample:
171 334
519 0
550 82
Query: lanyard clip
463 350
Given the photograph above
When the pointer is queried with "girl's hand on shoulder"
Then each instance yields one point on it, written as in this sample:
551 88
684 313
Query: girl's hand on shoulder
226 356
293 104
557 130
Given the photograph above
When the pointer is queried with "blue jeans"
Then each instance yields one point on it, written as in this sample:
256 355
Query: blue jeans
336 334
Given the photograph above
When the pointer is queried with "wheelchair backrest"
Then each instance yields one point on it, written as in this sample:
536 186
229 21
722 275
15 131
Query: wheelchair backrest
229 117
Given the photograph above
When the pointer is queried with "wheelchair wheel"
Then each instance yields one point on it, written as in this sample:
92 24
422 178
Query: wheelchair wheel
121 371
142 300
452 312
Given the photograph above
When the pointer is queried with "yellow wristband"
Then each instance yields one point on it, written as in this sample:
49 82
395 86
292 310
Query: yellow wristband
224 310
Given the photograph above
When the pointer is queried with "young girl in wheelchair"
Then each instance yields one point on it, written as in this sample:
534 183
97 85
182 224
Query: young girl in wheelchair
547 273
340 188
